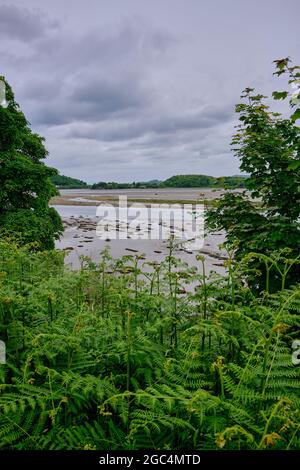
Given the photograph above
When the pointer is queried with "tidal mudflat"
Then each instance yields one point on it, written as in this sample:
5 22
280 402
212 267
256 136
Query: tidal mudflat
80 222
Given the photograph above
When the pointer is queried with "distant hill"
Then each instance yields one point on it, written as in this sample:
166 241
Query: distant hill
65 182
177 181
138 184
180 181
204 181
190 181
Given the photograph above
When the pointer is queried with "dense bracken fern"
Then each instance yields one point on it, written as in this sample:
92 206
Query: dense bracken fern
115 356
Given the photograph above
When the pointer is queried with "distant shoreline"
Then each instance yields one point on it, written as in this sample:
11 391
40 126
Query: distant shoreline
147 197
195 181
61 201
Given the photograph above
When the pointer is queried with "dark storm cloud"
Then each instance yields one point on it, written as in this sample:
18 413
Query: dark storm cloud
131 89
205 118
22 24
93 77
108 96
42 91
89 101
169 126
124 49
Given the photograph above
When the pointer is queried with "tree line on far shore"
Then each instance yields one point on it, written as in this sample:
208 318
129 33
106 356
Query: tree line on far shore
178 181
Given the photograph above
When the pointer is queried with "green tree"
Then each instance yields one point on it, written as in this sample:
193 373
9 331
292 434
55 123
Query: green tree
25 186
65 182
268 146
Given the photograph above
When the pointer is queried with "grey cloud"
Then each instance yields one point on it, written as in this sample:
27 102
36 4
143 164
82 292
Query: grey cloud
109 95
42 90
92 76
22 24
117 51
145 89
202 119
156 127
89 101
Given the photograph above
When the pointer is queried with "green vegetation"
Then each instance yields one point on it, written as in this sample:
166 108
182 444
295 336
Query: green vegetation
114 357
268 147
114 185
180 181
65 182
203 181
25 187
128 354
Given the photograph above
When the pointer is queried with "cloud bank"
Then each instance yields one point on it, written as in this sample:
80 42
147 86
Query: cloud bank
133 90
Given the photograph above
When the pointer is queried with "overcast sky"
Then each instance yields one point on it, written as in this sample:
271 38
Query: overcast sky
130 90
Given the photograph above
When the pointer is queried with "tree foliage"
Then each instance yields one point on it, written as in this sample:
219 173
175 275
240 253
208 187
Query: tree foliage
65 182
268 146
25 186
179 181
